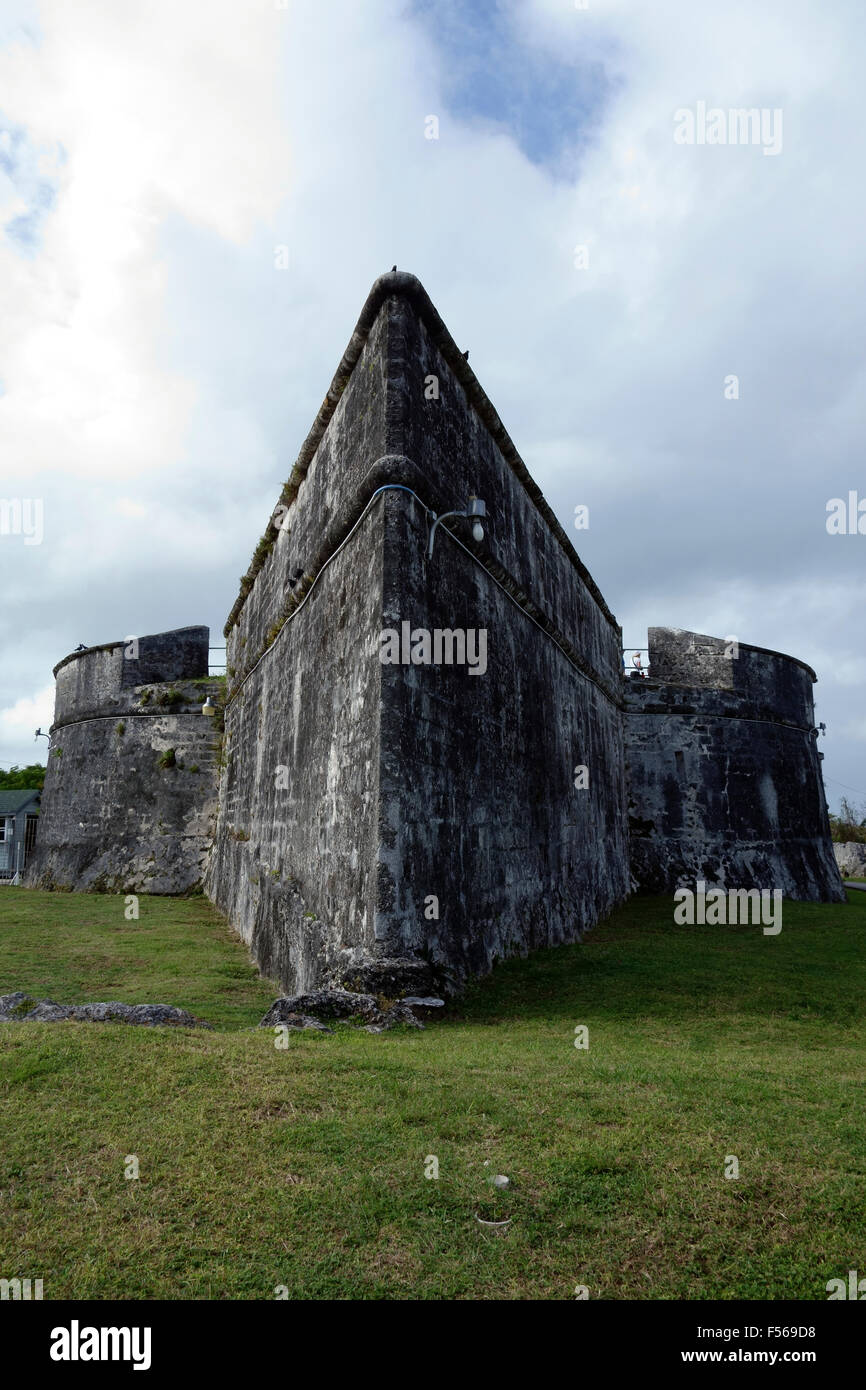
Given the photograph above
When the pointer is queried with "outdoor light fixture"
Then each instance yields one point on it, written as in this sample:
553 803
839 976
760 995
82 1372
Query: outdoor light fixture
474 508
209 707
39 734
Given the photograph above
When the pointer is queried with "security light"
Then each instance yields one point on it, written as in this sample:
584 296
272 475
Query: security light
475 507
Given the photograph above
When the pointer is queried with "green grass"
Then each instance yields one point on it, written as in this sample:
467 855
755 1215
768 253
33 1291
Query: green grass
79 948
305 1167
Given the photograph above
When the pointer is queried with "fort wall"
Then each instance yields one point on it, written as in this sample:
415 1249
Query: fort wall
723 771
406 782
360 812
130 787
478 801
294 863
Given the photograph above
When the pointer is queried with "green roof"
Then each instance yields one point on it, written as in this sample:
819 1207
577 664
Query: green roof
12 801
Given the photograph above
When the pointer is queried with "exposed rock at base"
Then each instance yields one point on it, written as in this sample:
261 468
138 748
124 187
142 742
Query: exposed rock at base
390 977
400 1013
341 1003
397 1014
23 1008
300 1022
324 1003
16 1005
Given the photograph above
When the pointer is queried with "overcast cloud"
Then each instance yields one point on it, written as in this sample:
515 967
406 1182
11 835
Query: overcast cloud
158 374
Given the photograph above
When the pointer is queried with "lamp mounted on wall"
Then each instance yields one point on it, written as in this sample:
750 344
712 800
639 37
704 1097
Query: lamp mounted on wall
209 707
475 509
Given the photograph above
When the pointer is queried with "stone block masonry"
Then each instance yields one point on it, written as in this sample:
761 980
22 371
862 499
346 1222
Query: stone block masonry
386 816
851 859
723 771
423 813
130 791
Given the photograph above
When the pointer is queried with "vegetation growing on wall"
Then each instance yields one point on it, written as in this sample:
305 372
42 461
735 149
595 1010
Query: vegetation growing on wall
169 698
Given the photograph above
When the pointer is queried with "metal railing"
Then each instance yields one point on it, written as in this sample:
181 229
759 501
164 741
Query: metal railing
638 669
12 863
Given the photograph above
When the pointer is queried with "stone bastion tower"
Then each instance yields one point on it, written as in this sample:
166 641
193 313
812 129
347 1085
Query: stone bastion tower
431 759
130 791
723 771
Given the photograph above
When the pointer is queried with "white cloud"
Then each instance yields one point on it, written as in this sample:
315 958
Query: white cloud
161 112
18 723
159 374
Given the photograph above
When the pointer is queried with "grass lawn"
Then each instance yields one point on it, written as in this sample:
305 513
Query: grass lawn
306 1167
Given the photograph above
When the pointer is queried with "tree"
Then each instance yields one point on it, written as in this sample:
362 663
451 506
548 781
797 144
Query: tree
849 827
17 777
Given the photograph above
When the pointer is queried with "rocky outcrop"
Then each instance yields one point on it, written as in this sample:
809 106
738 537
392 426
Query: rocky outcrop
392 978
22 1008
322 1003
306 1010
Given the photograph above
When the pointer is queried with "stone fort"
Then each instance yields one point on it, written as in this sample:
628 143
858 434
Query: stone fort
357 807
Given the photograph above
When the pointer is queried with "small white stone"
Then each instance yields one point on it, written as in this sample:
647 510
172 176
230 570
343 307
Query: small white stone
501 1181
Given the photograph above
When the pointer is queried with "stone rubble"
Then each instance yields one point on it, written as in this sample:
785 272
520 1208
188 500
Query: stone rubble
24 1008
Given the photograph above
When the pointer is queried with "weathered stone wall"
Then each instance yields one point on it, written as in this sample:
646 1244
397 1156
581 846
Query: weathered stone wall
724 776
112 817
294 866
478 802
851 859
407 782
371 813
460 448
100 679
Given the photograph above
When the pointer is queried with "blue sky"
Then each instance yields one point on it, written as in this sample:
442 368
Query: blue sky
160 374
22 183
549 103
